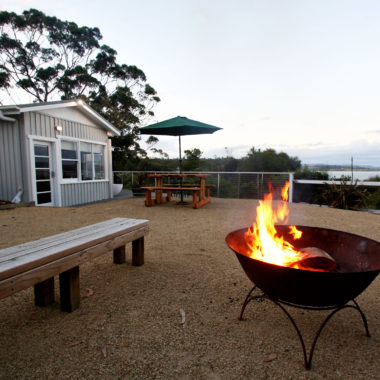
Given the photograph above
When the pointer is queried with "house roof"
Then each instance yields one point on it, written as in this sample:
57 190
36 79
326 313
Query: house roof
82 106
5 118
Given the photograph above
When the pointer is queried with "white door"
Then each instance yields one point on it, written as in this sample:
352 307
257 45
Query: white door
43 173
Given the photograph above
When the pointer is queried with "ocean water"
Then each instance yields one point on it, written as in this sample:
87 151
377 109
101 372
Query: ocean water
360 175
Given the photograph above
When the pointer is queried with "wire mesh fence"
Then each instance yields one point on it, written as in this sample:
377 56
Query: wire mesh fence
243 185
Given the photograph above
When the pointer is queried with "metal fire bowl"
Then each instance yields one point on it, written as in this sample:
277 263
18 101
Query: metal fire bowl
357 258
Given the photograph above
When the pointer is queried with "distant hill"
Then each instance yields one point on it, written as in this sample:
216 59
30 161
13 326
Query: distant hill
325 167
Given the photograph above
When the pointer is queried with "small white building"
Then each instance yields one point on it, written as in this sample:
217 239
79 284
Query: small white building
56 153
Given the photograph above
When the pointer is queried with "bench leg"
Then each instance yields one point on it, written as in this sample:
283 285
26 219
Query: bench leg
119 255
44 292
69 289
138 252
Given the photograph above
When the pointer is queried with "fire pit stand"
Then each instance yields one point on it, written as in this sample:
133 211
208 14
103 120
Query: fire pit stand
334 309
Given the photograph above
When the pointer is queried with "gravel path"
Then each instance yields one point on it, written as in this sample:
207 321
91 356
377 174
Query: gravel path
176 316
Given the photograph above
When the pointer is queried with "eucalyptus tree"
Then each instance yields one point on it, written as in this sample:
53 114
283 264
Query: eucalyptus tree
52 59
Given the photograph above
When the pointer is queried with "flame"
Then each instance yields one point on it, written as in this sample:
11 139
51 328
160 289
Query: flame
262 238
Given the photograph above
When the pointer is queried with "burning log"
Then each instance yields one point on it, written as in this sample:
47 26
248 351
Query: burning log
315 259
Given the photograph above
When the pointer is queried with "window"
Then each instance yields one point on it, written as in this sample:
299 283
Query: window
99 161
92 161
69 159
86 161
89 166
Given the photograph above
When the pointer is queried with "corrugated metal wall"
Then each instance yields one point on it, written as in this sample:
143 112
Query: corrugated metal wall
40 124
10 160
80 193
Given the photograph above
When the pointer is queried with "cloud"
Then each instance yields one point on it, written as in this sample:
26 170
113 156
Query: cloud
264 118
364 153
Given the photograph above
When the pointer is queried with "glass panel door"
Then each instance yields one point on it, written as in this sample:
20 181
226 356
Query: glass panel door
43 171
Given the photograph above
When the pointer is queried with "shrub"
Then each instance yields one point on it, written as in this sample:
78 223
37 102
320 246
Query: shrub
306 173
376 178
373 201
347 196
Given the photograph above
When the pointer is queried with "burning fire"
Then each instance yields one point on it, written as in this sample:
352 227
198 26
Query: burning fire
265 244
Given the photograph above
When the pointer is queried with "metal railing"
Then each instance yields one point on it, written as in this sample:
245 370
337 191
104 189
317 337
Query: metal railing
245 185
248 185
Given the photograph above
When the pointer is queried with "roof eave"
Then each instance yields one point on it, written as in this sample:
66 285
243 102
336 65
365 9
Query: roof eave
86 109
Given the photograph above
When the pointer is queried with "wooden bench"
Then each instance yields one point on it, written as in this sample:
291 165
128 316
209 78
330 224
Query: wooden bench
37 262
198 199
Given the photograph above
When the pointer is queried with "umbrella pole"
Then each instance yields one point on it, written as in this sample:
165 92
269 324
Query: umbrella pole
180 156
180 165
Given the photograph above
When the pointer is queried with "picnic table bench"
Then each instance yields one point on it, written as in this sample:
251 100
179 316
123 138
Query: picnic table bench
36 263
200 191
198 200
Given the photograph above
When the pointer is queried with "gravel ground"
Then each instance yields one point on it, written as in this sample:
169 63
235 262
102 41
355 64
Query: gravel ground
132 327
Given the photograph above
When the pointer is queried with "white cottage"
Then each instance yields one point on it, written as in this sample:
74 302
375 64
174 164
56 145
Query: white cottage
55 153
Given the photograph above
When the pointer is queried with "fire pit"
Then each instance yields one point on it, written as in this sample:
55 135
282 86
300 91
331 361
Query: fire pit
316 281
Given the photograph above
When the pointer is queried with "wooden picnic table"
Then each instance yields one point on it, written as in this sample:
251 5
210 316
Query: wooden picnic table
200 191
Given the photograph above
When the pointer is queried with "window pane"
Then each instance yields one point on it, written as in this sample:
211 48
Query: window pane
70 145
41 162
43 186
69 154
97 148
69 169
99 165
85 147
43 198
86 165
69 149
42 174
41 150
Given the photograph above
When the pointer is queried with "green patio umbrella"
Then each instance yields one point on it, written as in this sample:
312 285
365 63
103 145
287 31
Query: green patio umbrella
178 126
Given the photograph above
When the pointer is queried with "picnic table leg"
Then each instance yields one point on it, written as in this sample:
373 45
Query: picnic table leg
44 292
119 255
195 192
148 198
69 289
138 252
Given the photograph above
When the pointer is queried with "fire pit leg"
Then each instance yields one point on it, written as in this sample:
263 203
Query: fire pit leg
247 300
363 317
338 308
307 359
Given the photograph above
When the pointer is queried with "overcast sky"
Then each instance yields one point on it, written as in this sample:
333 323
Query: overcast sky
299 76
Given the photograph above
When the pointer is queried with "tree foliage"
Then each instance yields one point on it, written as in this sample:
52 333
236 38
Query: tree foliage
192 159
268 160
49 59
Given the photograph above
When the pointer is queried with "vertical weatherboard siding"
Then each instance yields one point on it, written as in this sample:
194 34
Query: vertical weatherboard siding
84 192
10 160
41 124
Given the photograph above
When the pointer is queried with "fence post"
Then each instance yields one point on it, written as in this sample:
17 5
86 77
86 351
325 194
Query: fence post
291 187
218 192
239 186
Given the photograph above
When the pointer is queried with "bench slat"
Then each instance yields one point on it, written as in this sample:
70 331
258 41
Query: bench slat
64 236
36 275
172 188
17 259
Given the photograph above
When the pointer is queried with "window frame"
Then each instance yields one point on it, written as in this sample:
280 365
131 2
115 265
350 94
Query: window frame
79 179
77 159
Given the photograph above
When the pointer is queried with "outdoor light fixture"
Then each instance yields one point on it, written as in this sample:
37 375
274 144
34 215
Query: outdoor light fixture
58 128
